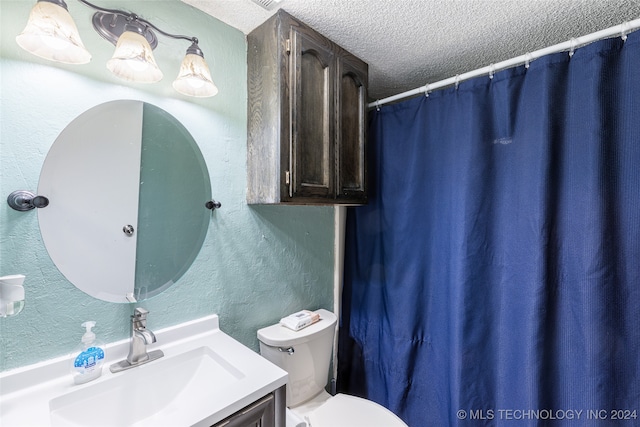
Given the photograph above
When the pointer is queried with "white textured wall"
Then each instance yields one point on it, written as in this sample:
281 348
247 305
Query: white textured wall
257 263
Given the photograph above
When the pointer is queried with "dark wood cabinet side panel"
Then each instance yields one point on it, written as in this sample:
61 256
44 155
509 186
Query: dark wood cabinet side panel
264 114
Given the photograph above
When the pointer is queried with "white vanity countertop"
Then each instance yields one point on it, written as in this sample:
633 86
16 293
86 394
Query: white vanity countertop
26 393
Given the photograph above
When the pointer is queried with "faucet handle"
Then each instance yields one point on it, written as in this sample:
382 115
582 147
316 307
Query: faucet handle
139 318
140 313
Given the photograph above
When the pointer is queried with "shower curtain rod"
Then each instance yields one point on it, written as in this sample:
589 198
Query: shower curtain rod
618 30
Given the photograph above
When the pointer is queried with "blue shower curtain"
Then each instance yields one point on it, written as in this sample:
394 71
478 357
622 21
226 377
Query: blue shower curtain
494 277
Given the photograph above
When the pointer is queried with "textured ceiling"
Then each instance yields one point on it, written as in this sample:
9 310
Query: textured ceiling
408 43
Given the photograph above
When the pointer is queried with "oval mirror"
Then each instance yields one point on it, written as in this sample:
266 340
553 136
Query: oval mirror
127 187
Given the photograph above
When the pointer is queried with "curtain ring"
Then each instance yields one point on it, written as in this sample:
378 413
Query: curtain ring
426 90
624 30
572 48
492 71
457 81
527 60
377 105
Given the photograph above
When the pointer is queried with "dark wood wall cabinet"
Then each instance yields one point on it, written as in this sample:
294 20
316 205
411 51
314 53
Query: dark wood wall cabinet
306 117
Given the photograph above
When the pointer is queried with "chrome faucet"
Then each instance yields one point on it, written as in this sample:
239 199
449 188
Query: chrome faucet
140 338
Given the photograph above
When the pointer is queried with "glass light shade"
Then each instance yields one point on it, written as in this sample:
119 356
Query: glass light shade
51 34
194 78
133 59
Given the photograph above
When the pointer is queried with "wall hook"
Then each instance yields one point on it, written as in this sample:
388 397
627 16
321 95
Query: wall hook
212 205
23 200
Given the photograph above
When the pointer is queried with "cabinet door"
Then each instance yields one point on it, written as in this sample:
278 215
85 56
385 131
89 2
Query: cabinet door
259 414
311 109
351 107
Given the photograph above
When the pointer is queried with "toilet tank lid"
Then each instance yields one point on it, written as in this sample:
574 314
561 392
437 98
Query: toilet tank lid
278 335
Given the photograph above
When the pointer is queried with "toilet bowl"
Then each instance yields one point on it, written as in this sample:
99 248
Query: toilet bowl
306 355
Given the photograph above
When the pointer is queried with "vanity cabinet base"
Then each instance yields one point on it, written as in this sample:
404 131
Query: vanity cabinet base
266 412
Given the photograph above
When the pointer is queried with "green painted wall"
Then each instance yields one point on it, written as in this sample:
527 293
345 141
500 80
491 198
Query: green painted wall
257 264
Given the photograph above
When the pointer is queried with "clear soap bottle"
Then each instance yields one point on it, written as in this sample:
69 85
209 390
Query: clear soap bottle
87 361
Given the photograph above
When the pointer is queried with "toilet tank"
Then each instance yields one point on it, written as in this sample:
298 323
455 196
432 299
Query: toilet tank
304 354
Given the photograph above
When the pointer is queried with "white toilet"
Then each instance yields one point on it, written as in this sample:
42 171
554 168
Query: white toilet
305 355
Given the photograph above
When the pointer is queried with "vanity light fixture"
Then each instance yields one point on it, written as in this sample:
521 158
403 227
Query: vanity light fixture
51 34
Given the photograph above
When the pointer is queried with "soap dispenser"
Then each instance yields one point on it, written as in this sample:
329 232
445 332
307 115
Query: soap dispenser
87 362
11 295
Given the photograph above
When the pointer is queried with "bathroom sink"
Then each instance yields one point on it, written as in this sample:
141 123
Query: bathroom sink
204 377
148 394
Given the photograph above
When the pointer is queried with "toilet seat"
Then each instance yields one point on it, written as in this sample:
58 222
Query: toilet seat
343 410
